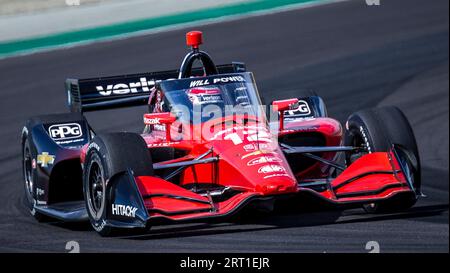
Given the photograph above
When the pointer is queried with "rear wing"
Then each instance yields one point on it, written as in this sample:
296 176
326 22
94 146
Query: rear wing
123 91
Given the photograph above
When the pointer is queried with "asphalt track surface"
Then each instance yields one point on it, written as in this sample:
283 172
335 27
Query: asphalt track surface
353 55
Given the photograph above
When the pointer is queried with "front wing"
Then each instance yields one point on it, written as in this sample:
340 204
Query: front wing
138 201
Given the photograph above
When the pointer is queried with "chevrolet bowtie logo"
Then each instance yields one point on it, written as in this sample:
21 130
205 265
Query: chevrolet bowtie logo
45 159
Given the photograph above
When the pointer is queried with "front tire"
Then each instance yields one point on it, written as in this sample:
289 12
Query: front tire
30 174
376 130
106 156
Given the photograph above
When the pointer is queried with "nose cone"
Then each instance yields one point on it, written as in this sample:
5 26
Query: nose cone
273 175
277 185
256 163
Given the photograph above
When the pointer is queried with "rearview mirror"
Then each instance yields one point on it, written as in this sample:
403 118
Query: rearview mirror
159 118
166 119
284 105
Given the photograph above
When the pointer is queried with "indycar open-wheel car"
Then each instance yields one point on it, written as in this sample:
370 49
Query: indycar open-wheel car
209 148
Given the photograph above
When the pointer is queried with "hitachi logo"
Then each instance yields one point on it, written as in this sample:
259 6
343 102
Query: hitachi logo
122 88
123 210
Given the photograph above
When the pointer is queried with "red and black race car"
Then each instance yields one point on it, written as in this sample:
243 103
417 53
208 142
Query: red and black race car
208 149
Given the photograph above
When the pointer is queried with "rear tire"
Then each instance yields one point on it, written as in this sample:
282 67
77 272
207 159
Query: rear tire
106 156
375 130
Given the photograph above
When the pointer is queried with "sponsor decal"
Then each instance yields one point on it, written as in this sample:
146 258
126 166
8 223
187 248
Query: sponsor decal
258 152
253 147
302 110
143 85
271 169
210 99
263 159
94 145
40 192
299 119
242 98
276 175
65 131
223 132
250 147
45 159
301 128
159 127
122 210
151 121
162 144
203 95
69 141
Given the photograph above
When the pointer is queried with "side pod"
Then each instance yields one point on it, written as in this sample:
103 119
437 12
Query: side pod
125 206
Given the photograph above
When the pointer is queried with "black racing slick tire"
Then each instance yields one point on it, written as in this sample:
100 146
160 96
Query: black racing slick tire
107 155
30 174
376 130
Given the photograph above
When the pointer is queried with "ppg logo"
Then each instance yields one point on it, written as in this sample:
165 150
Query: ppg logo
65 131
302 110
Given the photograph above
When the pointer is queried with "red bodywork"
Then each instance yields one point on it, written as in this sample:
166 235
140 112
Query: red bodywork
252 164
248 159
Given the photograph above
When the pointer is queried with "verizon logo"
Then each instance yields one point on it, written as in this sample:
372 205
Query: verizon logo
143 85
